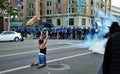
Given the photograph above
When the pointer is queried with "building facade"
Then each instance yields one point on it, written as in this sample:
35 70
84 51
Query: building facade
116 12
64 13
79 12
69 13
3 22
4 25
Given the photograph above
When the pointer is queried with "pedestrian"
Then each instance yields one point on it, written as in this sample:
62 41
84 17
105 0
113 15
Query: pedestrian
42 54
111 61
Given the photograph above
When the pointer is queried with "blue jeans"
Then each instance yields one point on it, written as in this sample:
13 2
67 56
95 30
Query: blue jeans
41 59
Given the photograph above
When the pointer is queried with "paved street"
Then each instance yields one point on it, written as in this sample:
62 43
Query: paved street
63 57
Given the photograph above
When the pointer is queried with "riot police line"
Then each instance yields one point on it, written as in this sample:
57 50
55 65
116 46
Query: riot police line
57 33
70 33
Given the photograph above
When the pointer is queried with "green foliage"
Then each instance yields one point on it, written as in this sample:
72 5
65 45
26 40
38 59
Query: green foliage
1 20
5 6
2 5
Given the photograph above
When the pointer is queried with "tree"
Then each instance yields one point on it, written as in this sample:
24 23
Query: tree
2 8
2 5
6 7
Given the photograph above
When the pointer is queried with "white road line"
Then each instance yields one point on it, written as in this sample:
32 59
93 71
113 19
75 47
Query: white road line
54 60
8 55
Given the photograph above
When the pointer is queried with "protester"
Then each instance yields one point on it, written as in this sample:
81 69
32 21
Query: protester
42 54
111 60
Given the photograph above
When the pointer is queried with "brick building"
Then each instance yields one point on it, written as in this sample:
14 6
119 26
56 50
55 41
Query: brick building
4 15
81 13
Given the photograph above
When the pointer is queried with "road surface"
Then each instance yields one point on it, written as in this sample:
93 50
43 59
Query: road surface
63 57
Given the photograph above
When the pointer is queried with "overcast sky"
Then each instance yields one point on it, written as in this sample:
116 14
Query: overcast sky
116 3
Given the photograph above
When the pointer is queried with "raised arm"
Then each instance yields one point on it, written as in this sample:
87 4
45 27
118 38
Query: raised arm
46 36
45 41
41 33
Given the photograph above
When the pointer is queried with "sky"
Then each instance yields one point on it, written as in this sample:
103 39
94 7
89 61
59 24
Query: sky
116 3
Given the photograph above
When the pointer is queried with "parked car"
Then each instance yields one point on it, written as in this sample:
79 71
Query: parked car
10 36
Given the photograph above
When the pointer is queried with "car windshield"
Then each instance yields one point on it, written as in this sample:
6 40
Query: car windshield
6 33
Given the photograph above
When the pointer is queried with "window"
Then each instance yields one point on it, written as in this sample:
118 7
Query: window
50 11
59 11
31 5
73 1
71 21
69 1
72 10
91 2
83 21
58 21
49 20
69 10
41 0
40 12
6 33
58 1
83 10
92 21
97 4
31 13
40 4
91 11
102 5
47 3
83 1
47 12
21 14
50 3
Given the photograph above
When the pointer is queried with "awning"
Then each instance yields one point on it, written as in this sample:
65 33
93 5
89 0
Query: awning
15 25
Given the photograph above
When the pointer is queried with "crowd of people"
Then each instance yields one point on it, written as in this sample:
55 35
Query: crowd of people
110 64
58 33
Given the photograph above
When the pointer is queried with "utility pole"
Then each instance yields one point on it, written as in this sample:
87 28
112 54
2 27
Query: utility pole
94 5
68 14
110 5
8 16
106 6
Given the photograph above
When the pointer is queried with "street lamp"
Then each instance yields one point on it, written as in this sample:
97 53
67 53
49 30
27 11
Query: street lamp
12 17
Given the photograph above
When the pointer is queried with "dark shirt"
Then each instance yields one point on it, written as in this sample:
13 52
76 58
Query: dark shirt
111 61
43 50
